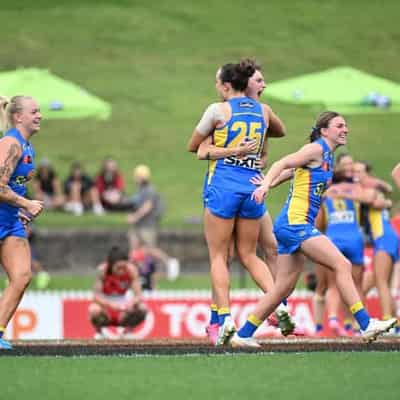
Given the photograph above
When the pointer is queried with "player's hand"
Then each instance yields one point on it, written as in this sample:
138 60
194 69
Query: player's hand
25 217
246 146
34 207
257 180
259 164
259 194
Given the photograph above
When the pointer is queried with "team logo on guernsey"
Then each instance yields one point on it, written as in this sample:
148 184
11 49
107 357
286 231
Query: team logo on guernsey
246 104
27 159
20 180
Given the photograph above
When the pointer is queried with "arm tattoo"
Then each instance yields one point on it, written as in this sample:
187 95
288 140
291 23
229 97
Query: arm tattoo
6 170
10 163
8 195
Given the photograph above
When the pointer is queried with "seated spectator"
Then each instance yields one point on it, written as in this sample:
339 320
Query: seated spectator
81 193
110 185
113 303
147 208
47 187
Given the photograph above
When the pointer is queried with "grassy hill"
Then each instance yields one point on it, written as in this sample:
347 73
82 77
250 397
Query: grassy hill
156 61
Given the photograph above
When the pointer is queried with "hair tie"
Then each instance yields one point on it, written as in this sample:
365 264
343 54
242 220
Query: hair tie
314 129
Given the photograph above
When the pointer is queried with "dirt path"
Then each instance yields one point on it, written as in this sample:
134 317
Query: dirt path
68 348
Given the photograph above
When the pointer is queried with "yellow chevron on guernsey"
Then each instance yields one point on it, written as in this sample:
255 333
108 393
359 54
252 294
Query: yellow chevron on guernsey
299 202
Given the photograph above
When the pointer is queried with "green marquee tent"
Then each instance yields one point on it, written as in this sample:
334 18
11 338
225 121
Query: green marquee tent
57 98
341 89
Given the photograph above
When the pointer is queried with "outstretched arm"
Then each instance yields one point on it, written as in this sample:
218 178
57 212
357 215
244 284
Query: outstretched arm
358 193
307 154
284 176
376 183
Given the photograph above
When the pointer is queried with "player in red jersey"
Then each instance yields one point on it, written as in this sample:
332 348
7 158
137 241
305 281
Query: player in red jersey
113 304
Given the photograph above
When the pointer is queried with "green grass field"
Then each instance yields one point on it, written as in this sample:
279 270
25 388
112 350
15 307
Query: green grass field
304 376
184 282
155 62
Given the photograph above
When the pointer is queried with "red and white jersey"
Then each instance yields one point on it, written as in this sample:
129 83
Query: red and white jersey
115 284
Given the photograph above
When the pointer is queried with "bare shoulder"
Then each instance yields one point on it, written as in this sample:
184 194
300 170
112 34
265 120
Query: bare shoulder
222 106
8 143
312 148
267 109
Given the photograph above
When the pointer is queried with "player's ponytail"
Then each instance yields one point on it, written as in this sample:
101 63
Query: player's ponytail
4 123
315 134
253 62
322 122
237 74
9 107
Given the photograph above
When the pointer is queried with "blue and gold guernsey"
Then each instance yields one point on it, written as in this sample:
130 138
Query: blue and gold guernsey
381 232
342 217
10 225
295 222
228 189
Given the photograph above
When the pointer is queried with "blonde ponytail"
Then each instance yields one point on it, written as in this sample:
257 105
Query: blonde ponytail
4 123
9 107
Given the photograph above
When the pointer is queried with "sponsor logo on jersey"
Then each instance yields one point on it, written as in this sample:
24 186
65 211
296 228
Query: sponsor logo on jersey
342 217
249 162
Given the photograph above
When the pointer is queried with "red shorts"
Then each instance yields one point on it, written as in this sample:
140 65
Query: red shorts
115 316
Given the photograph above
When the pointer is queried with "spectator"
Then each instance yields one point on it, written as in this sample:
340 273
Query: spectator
147 208
80 192
148 259
117 298
47 187
110 185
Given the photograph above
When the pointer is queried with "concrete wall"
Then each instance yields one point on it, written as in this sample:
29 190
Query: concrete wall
80 251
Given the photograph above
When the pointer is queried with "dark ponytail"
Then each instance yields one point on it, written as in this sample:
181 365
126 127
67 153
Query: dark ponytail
322 122
253 62
237 74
